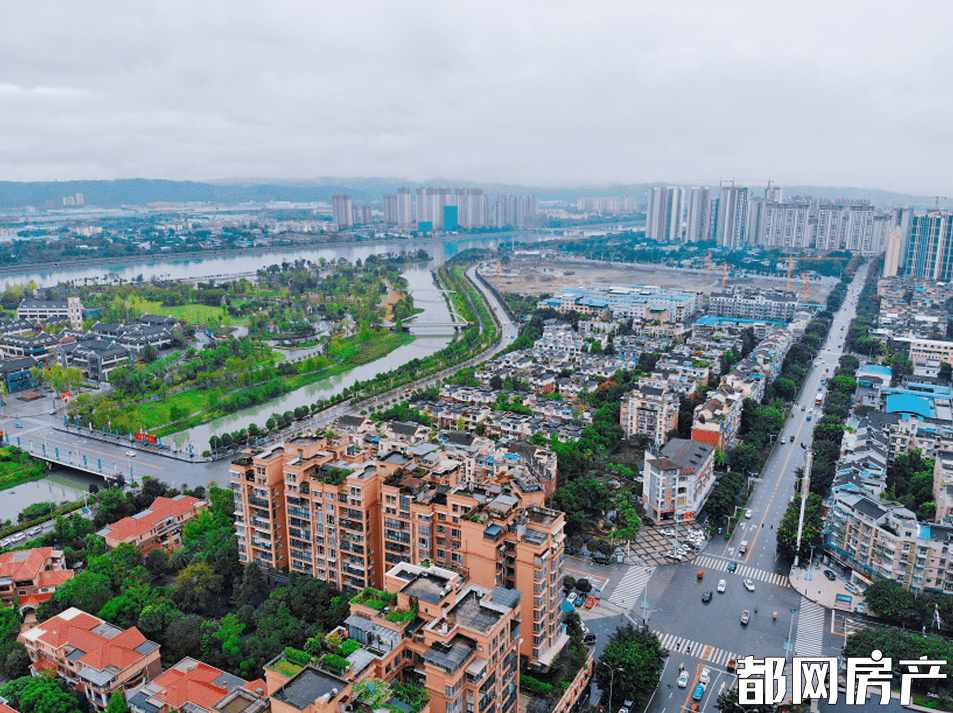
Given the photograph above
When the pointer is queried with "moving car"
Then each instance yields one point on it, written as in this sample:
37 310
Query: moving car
589 639
743 548
748 511
722 585
830 575
131 454
706 597
701 573
683 679
18 425
732 566
732 662
745 617
749 585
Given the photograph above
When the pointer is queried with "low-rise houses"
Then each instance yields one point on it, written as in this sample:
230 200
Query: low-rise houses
194 686
159 525
35 310
91 654
28 577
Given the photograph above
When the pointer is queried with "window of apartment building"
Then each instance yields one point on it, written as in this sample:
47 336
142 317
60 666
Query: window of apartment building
455 533
441 530
442 554
441 516
456 508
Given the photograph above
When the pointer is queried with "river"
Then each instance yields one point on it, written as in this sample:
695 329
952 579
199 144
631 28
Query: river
420 285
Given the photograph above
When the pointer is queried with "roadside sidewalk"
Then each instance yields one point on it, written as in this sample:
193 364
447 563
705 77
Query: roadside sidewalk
812 583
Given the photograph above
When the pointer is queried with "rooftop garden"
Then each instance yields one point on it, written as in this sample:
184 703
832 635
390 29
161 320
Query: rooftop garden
375 598
333 476
377 695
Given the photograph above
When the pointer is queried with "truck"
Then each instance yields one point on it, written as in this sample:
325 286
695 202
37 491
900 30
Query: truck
743 549
819 399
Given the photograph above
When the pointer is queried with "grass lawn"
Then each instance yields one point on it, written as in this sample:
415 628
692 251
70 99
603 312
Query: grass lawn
354 353
156 413
194 313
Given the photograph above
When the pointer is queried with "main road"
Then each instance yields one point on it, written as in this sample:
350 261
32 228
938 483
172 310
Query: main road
702 635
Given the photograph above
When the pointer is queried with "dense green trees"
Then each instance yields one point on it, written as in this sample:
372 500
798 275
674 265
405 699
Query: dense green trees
43 694
812 534
636 656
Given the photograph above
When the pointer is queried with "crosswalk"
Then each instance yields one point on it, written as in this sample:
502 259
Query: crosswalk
709 562
810 629
627 592
718 657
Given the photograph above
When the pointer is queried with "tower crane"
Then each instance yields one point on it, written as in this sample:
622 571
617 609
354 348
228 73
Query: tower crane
791 260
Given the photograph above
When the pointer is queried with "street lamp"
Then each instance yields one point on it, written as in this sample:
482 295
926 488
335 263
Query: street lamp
611 678
790 644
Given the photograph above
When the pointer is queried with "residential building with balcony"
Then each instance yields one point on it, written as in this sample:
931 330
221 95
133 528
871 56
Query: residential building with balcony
260 514
91 654
650 411
875 540
353 508
159 525
678 481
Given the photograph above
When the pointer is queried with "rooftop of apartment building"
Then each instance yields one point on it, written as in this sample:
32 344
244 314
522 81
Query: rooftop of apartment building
308 686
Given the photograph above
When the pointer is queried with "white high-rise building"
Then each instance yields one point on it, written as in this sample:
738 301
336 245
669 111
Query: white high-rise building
665 214
342 210
390 209
405 208
698 224
473 207
430 205
731 228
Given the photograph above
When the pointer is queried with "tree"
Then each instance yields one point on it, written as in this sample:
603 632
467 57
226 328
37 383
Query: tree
113 506
812 534
253 589
635 655
946 371
43 694
197 587
117 703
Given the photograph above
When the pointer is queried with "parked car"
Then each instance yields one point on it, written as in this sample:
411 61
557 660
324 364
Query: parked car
683 679
699 692
722 585
572 598
745 617
830 575
589 639
33 531
749 585
590 603
852 588
705 676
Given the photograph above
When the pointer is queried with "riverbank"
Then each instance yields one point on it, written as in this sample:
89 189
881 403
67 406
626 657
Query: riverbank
348 352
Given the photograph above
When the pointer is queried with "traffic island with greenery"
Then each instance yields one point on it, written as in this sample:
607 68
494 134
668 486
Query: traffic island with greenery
633 658
900 645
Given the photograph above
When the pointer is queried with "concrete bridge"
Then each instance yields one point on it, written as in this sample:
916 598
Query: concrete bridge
71 458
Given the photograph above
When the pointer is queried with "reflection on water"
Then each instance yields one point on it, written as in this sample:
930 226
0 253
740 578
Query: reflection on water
62 487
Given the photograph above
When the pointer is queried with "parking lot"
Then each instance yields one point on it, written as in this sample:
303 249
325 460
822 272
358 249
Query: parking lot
655 541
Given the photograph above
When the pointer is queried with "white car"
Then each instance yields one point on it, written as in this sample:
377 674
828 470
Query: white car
34 530
572 598
683 679
748 512
131 454
705 677
749 585
722 586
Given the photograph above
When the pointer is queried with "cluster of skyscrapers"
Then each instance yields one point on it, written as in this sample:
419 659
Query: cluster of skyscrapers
449 209
736 218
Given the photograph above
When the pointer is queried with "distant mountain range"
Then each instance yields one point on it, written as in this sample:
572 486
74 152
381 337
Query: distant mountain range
141 191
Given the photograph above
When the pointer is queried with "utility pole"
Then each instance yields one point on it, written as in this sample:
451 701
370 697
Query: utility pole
805 490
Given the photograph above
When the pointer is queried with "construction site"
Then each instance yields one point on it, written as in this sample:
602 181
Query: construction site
536 273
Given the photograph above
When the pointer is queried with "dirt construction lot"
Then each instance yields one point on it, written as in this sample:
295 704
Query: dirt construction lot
535 275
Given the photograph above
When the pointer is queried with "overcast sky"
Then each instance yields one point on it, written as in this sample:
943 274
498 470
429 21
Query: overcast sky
828 93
